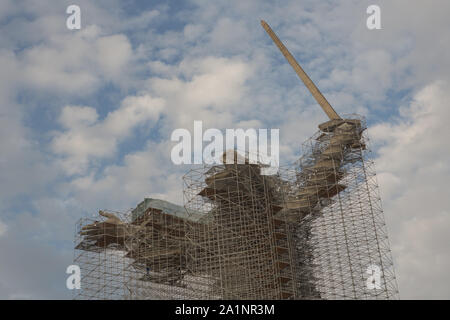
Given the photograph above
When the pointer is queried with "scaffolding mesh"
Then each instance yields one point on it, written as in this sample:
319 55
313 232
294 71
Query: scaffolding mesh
315 230
341 236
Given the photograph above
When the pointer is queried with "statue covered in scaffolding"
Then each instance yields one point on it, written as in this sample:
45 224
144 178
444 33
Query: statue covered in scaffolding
312 231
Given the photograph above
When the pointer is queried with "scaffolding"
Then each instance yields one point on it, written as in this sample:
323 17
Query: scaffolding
315 230
339 230
139 254
100 254
242 246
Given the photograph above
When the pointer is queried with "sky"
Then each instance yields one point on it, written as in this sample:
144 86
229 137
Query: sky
86 115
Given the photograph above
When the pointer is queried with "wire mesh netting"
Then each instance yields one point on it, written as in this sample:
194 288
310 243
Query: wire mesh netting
314 230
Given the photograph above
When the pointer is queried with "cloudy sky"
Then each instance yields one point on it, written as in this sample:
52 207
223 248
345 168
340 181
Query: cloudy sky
86 115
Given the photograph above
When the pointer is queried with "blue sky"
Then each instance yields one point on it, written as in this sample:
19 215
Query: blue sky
86 115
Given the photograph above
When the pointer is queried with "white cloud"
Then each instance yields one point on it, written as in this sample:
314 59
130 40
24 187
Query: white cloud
114 52
3 228
208 88
149 172
86 138
413 172
77 63
20 157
